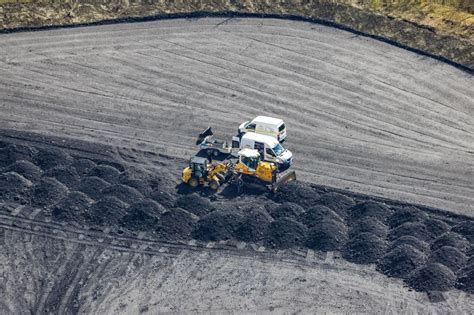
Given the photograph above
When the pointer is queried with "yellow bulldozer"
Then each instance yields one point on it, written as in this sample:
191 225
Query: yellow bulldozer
249 169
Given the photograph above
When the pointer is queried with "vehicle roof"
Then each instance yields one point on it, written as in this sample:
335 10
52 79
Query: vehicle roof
261 138
267 120
198 159
249 152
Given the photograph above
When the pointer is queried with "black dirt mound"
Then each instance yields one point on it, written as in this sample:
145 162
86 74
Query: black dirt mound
436 227
164 198
93 186
143 216
316 214
285 233
406 214
466 229
297 192
449 256
83 166
106 172
420 245
218 225
26 169
337 202
401 261
125 193
65 174
108 210
254 227
327 236
48 191
13 187
416 229
369 225
365 248
142 185
176 224
195 204
372 209
74 207
49 158
286 209
451 239
466 279
12 153
432 277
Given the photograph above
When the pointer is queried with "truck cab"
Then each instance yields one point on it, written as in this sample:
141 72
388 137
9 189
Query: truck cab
265 125
267 146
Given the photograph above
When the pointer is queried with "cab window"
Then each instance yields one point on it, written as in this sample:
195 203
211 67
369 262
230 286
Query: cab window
281 128
250 126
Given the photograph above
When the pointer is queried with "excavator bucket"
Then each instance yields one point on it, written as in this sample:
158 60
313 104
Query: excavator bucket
282 178
207 132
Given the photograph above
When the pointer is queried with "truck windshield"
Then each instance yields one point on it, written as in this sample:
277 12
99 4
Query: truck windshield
278 149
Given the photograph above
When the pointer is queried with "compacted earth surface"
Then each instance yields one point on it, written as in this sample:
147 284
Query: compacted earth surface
98 123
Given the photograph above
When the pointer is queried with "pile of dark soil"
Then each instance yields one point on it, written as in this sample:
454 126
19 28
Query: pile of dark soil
164 198
316 214
416 229
106 172
451 239
286 209
372 209
13 187
26 169
49 158
466 279
142 216
176 224
420 245
48 191
125 193
406 214
195 204
327 236
108 210
12 153
449 256
254 226
65 174
218 225
337 202
297 192
285 233
141 185
74 207
93 186
436 227
400 261
83 166
432 277
369 225
466 229
365 248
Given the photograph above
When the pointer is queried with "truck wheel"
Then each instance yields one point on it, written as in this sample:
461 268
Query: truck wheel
193 182
214 185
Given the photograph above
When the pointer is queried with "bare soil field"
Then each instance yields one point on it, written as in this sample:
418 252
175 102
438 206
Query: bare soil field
98 122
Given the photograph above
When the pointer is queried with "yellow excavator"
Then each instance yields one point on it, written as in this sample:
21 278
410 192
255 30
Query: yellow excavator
248 170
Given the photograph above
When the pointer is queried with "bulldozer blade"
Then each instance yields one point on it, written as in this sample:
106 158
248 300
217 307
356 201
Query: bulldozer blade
282 178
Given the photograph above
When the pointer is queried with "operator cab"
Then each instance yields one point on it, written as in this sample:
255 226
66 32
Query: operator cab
198 166
250 158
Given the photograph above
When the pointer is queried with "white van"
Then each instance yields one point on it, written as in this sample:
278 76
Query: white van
269 148
264 125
